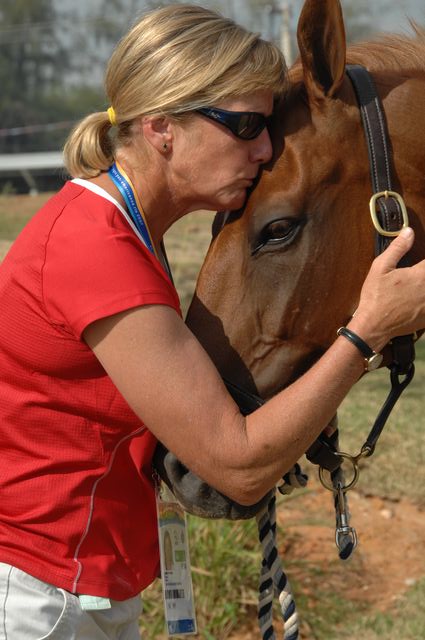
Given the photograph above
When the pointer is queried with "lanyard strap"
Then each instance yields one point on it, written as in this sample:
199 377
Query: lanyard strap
124 185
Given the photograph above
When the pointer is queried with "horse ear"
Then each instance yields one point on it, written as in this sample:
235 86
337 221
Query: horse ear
321 41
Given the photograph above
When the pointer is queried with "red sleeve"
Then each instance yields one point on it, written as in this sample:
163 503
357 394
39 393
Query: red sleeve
96 266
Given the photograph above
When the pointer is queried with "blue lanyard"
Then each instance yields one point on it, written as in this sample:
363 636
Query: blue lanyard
123 183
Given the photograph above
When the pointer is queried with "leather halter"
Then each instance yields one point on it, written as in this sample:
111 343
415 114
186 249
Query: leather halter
389 215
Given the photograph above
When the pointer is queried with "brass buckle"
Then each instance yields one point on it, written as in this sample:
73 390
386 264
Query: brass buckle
374 214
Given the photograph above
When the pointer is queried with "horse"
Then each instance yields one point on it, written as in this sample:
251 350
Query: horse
283 273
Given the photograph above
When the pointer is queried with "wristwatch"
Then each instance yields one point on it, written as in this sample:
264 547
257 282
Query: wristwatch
372 359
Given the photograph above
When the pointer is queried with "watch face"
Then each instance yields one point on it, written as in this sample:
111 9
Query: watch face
374 361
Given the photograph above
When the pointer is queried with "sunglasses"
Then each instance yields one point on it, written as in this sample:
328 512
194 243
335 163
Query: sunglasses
243 124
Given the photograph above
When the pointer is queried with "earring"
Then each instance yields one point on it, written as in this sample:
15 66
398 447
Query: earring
165 146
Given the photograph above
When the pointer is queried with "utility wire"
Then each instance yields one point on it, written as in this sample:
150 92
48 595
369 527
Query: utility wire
36 128
33 31
25 26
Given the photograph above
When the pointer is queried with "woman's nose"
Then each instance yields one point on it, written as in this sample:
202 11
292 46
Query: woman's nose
262 149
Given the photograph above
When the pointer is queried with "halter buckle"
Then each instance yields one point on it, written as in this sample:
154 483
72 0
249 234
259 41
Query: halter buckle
374 213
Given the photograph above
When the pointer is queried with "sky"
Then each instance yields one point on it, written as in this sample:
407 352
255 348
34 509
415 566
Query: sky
393 18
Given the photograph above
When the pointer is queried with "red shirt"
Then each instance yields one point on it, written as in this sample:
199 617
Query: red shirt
77 505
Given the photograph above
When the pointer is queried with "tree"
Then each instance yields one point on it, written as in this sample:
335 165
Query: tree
32 63
51 69
52 57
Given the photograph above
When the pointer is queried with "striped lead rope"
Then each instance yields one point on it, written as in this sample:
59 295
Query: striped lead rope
273 579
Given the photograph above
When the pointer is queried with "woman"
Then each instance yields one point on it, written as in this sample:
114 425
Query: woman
93 347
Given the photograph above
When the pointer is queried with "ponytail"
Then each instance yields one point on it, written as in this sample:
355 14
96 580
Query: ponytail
88 150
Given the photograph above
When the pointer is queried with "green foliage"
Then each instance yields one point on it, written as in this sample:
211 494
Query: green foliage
36 61
32 61
226 561
30 48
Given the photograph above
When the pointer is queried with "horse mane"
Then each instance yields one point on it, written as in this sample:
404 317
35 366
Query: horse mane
401 53
398 52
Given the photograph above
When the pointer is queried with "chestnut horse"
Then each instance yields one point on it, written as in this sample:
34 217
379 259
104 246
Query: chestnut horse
285 272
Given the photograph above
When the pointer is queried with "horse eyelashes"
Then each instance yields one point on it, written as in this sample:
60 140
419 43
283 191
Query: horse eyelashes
280 231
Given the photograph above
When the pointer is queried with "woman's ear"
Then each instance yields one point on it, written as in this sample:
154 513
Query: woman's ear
157 131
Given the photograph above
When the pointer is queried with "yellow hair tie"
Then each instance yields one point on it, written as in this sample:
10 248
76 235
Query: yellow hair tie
112 116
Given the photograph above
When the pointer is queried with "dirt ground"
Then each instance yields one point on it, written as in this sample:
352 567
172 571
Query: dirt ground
388 560
389 557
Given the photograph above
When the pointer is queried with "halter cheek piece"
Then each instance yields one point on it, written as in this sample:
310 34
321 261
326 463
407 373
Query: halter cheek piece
389 215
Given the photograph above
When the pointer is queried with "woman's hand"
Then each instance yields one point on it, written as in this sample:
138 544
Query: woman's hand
392 300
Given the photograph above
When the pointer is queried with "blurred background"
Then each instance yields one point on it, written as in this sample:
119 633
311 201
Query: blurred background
53 55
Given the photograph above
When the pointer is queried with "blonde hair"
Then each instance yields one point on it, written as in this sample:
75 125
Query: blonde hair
173 61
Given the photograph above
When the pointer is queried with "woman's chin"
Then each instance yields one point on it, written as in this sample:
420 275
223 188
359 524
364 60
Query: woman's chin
230 201
234 201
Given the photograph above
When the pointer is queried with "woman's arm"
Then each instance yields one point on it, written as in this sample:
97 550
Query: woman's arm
171 384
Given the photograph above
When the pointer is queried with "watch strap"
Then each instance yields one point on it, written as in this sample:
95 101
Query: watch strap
361 345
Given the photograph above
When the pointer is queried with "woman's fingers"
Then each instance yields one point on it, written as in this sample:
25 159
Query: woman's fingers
389 259
392 301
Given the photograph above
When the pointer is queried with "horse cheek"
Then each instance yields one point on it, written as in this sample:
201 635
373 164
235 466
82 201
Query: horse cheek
216 307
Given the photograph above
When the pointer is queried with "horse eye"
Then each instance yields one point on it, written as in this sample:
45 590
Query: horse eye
281 231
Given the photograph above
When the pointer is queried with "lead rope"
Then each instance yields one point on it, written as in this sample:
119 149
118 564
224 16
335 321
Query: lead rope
273 580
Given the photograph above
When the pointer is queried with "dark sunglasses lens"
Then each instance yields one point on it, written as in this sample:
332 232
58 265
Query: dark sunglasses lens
250 125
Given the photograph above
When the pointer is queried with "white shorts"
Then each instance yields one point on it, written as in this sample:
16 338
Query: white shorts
34 610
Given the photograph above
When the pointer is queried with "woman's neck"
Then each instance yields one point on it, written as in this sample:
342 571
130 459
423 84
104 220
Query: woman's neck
153 193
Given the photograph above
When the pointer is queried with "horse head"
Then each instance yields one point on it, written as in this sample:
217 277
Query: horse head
282 274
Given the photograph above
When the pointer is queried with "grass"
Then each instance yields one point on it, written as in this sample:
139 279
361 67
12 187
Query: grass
225 556
406 621
399 457
15 211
